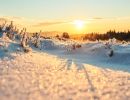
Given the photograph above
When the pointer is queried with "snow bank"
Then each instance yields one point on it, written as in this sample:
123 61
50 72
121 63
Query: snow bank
48 44
114 56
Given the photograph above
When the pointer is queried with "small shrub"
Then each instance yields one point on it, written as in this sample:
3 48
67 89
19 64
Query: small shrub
65 35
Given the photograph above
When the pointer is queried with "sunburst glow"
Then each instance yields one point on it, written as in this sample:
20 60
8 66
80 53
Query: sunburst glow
79 24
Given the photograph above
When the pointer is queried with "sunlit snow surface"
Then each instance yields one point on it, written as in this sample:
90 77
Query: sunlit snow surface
57 73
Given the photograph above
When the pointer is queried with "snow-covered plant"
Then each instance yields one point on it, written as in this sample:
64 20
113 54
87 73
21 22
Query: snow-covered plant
110 53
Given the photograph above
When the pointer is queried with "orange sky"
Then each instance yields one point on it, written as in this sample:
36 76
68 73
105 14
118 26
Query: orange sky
59 15
90 24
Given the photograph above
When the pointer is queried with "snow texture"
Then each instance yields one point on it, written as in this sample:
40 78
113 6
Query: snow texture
54 73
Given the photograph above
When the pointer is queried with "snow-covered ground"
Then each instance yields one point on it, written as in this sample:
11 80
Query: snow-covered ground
93 53
58 73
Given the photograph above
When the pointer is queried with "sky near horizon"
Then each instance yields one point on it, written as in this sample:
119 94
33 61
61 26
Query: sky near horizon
59 15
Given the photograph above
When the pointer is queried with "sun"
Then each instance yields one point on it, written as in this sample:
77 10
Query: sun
79 24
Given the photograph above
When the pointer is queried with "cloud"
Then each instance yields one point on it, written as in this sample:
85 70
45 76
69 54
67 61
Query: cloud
98 18
50 23
3 19
10 18
19 22
112 18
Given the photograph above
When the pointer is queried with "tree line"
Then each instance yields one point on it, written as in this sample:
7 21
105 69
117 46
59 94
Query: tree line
122 36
